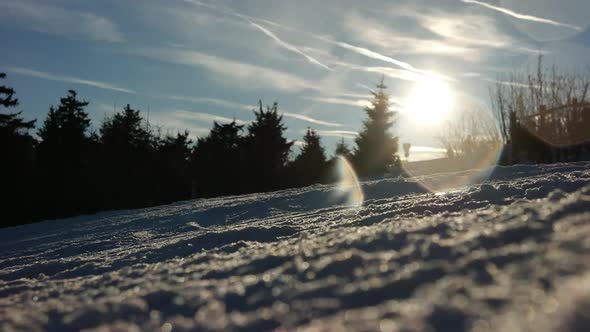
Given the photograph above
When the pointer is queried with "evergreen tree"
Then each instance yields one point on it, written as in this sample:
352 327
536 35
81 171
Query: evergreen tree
64 134
217 162
267 150
311 164
125 133
129 148
376 147
63 157
173 173
343 150
14 130
16 165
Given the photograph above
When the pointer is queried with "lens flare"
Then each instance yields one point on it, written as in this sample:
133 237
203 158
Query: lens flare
348 189
445 174
473 143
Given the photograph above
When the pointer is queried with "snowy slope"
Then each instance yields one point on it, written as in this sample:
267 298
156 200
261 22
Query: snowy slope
508 255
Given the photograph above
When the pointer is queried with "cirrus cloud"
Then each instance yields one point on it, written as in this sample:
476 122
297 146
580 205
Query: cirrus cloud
66 79
44 18
245 74
524 17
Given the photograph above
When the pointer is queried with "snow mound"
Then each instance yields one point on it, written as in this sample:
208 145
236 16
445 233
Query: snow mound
510 254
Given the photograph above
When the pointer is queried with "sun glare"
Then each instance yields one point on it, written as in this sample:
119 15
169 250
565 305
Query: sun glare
429 101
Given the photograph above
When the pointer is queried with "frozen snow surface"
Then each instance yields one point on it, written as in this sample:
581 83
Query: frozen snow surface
511 254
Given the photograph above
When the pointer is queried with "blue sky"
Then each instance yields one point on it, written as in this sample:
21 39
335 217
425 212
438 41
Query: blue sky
191 62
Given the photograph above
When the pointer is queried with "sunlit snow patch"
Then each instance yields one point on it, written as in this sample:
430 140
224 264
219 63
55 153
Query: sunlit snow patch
473 143
348 187
445 174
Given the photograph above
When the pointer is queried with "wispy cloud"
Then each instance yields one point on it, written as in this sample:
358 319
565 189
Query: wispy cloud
407 72
370 54
264 30
100 110
338 133
340 101
66 79
387 71
247 75
508 83
310 119
471 30
244 107
474 30
520 16
364 86
396 73
341 44
177 124
234 13
288 46
209 101
41 17
204 117
206 5
385 37
459 34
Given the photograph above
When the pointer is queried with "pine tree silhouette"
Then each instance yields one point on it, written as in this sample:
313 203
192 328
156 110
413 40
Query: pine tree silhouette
127 164
217 162
173 172
311 164
267 150
63 158
376 147
12 126
64 134
129 159
16 165
343 150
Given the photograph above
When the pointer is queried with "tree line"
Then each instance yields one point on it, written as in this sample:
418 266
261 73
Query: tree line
68 169
543 116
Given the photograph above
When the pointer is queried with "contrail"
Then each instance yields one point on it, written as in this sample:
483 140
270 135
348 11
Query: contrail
267 32
337 133
310 119
205 117
230 104
523 16
66 79
286 45
356 49
370 54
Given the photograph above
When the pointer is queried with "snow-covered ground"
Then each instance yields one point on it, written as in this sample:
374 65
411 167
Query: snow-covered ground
512 254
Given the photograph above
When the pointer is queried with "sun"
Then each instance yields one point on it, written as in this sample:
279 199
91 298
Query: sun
429 102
